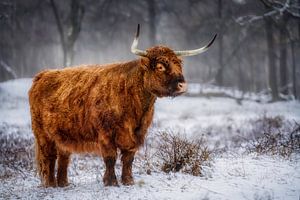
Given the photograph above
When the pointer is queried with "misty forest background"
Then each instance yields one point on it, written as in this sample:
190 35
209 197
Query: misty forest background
257 48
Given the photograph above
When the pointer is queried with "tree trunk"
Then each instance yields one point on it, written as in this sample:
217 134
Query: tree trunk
220 71
70 32
294 69
299 21
252 73
283 39
152 21
294 62
241 75
271 57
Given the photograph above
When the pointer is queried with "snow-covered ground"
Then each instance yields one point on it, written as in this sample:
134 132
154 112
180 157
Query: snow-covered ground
233 174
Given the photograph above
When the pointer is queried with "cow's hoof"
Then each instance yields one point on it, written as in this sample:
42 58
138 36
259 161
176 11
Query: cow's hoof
127 180
63 183
49 184
110 181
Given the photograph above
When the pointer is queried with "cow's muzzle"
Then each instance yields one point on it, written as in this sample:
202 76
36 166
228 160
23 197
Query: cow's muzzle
181 88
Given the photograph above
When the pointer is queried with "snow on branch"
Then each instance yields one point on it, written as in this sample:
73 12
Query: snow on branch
290 6
8 69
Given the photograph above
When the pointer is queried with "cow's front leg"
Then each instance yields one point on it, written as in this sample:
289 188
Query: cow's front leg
127 159
109 178
109 153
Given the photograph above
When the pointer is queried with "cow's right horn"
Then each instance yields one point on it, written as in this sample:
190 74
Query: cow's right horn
195 51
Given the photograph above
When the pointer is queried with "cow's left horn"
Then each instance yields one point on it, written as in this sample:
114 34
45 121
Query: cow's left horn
195 51
135 42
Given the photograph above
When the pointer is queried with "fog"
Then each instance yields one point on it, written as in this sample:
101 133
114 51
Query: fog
257 48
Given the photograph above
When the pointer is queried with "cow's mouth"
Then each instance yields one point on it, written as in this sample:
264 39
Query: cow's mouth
170 92
177 93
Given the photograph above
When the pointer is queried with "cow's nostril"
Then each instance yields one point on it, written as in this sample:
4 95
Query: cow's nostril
182 86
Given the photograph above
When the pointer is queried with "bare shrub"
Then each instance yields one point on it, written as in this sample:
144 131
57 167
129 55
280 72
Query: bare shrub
16 153
275 136
145 160
16 156
177 153
268 124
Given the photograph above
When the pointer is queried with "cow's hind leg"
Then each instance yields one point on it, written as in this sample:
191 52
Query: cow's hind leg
46 158
62 168
127 159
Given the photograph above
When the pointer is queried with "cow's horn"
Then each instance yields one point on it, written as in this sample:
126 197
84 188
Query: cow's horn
195 51
135 43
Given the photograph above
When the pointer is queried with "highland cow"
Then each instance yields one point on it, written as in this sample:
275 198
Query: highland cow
100 109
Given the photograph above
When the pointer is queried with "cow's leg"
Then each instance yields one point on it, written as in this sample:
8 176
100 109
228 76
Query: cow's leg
127 159
46 158
62 168
109 178
109 153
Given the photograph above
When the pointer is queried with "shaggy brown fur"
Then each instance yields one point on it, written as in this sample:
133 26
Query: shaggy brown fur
98 108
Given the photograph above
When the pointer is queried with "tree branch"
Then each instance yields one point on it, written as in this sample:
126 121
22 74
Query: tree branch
276 8
8 69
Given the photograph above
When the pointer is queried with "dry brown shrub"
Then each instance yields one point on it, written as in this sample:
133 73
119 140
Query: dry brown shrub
275 136
177 153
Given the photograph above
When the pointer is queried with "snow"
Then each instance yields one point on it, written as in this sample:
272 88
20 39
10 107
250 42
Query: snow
233 174
208 112
14 103
16 87
232 177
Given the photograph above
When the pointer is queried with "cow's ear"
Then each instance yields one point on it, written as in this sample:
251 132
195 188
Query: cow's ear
145 63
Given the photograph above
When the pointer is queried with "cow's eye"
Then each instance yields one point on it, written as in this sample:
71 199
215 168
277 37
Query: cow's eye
160 67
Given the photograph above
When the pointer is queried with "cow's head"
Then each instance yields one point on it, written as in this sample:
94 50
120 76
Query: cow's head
163 68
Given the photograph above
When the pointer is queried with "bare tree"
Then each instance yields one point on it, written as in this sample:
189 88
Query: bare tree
287 10
283 41
220 71
283 11
69 32
271 58
152 14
